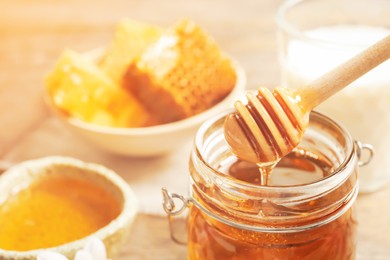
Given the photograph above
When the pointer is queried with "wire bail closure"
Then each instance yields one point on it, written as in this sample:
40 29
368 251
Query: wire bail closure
172 210
359 152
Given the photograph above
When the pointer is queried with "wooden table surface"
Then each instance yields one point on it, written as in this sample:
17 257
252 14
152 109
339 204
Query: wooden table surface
34 33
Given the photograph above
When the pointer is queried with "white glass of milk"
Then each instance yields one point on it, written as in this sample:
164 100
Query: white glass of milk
316 36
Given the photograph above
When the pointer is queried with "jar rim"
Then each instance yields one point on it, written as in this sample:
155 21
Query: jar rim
335 177
285 26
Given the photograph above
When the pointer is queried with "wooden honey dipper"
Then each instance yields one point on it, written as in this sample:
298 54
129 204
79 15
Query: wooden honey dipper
271 125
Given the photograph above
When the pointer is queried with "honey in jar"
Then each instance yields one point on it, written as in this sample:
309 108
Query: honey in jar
304 210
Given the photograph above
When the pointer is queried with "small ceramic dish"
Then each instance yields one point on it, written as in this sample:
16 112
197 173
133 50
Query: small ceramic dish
153 140
113 234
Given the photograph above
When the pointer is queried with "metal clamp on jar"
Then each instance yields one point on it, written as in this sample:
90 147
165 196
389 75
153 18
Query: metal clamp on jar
306 211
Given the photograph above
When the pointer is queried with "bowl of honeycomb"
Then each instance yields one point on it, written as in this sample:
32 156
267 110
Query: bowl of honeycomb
148 92
57 204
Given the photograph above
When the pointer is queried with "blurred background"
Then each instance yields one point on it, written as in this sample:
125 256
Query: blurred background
34 33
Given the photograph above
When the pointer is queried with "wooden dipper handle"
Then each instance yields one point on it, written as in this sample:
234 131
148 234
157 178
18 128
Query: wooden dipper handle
270 125
325 86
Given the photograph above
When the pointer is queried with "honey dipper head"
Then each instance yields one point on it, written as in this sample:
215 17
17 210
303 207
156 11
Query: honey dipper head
268 127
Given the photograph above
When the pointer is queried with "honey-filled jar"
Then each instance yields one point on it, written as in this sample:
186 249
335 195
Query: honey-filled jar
305 210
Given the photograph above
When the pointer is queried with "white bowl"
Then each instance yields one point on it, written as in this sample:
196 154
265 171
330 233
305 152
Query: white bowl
114 234
153 140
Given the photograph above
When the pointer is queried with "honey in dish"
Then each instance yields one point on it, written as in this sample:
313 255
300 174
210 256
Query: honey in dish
53 211
213 240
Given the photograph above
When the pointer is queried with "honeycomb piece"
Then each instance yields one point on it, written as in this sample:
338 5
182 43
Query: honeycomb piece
130 40
180 75
79 89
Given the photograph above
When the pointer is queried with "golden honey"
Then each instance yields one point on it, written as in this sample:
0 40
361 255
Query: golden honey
304 211
53 211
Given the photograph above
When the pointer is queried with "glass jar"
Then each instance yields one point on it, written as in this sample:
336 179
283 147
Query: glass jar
234 218
317 35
